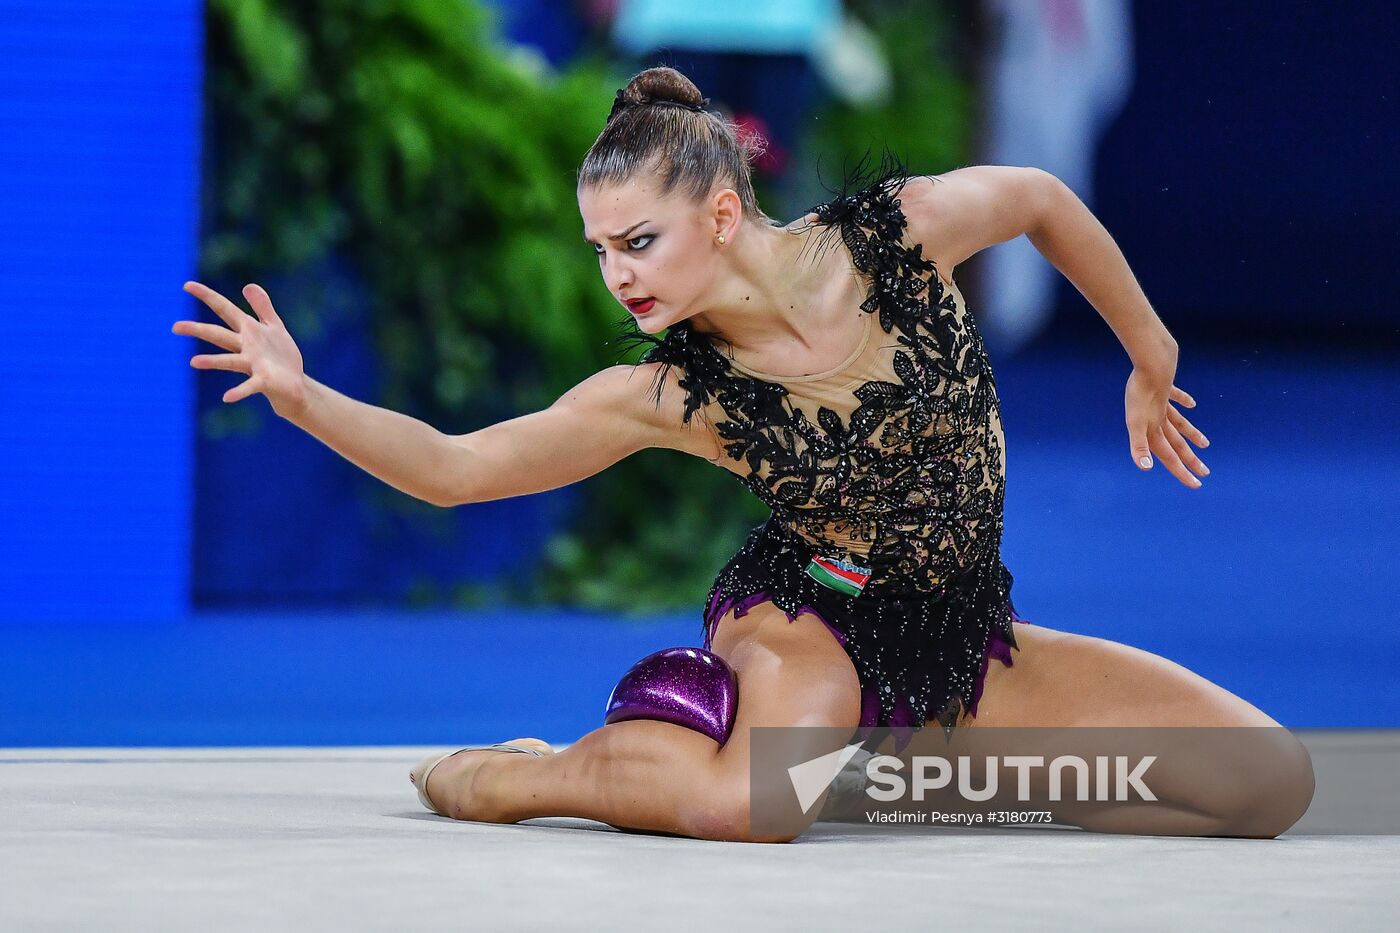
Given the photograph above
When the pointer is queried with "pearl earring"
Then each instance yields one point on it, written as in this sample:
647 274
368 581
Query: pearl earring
720 238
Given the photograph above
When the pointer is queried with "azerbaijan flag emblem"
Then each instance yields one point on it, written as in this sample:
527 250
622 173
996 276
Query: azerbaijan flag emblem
839 574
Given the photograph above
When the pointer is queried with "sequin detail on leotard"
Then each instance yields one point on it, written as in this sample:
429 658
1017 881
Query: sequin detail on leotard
901 470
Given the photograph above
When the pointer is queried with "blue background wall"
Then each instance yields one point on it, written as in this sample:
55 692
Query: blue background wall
99 113
1249 175
322 531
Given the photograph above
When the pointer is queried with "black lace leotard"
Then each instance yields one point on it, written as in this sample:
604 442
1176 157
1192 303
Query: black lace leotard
893 461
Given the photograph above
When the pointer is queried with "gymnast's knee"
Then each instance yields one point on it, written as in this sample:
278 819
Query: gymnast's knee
1287 784
1275 793
725 814
689 687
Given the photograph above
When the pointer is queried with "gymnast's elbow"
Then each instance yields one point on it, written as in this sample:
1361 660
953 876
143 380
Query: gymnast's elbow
591 427
445 501
462 474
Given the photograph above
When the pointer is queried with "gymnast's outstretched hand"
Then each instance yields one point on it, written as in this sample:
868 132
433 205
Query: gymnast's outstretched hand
1155 425
258 346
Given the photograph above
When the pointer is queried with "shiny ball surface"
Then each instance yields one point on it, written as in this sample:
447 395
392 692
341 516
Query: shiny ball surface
689 687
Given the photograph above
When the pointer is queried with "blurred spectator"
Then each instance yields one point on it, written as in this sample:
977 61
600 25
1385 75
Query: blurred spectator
761 60
1057 71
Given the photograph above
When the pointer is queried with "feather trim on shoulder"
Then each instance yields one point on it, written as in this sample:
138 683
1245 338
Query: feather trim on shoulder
866 214
681 348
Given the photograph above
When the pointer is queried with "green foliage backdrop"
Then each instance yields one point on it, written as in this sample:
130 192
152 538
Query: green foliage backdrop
927 117
406 136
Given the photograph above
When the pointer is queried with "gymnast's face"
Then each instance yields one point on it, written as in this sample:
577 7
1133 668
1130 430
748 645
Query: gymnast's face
650 246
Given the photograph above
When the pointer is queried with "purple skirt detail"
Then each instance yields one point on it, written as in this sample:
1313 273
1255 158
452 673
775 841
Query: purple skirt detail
741 606
920 655
997 647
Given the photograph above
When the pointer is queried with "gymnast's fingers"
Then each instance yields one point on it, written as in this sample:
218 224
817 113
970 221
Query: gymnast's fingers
1137 440
262 303
1187 429
240 392
1164 451
219 336
1179 396
233 362
232 315
1184 451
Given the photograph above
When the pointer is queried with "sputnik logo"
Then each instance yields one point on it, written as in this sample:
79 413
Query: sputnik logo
811 778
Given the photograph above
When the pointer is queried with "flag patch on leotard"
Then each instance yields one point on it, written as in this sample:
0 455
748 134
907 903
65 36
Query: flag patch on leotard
839 574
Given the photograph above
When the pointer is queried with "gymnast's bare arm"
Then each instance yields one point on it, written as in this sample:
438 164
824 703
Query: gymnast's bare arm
959 213
603 419
598 422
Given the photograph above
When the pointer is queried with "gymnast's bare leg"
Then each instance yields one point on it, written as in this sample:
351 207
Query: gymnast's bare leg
658 777
1060 679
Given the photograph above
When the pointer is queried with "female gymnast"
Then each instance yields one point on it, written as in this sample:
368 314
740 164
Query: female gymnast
831 366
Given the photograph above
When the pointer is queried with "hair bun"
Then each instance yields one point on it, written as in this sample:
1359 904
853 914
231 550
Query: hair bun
659 85
648 133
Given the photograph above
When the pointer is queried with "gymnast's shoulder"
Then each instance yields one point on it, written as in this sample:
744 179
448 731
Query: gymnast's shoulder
959 213
646 401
